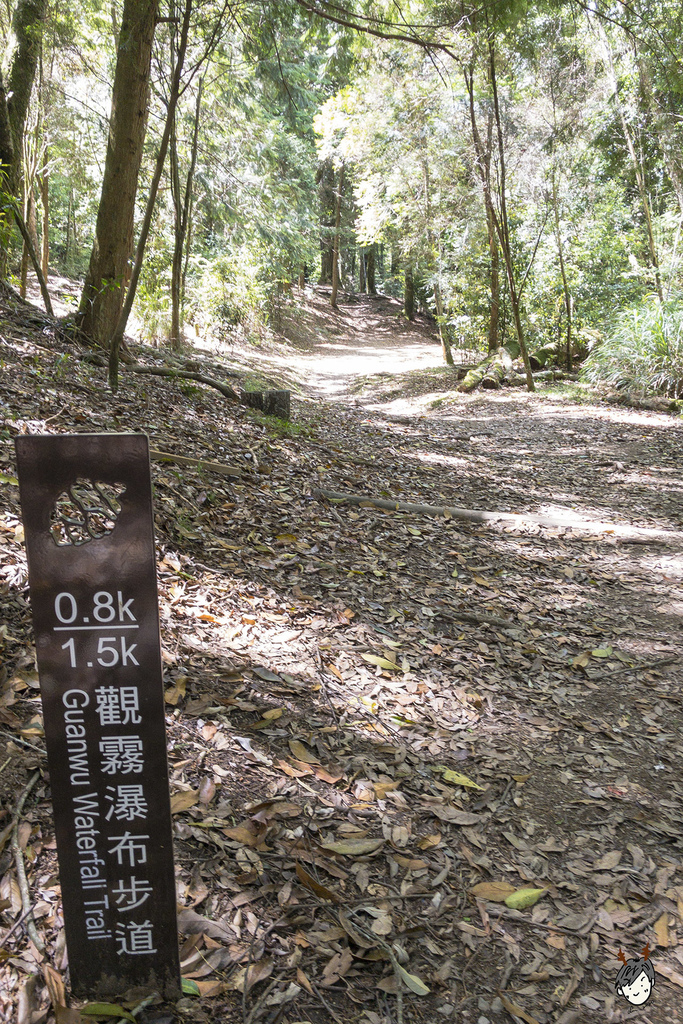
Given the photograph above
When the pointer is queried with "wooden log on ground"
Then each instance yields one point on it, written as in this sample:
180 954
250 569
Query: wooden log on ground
499 357
570 522
544 356
498 369
541 376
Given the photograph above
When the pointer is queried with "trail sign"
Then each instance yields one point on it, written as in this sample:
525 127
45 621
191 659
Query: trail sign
87 508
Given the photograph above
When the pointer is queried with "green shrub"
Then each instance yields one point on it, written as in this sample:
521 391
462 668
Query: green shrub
643 352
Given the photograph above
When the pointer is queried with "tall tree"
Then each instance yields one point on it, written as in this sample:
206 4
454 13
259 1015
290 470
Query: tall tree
116 339
22 61
103 291
336 239
6 144
182 204
499 216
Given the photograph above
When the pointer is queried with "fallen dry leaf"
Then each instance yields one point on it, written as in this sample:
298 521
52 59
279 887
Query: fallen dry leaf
244 979
310 883
354 847
301 753
184 800
495 892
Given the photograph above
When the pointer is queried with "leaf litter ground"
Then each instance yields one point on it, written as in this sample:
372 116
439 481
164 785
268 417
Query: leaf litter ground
381 726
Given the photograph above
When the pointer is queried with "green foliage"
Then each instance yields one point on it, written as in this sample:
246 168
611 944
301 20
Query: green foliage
643 352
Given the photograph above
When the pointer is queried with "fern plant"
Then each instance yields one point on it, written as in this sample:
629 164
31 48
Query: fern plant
643 352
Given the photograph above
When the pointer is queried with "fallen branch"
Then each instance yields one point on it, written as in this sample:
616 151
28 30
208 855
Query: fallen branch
21 868
645 667
515 519
19 921
377 941
185 460
163 371
271 402
34 259
476 618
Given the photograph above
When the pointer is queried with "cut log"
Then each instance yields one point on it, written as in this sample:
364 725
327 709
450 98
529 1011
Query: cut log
272 403
502 357
499 368
546 355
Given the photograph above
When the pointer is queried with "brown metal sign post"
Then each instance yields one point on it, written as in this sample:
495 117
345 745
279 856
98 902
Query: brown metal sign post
87 508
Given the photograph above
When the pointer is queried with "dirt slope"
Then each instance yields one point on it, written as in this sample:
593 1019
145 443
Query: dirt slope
378 716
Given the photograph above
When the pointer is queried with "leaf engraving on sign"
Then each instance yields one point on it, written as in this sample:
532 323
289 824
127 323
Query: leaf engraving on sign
85 511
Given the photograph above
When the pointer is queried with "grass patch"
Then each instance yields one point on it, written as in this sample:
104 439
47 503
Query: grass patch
643 353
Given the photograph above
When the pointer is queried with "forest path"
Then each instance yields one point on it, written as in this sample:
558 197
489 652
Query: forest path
363 671
333 350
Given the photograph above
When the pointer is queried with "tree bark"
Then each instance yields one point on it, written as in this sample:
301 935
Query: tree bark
494 340
361 272
638 171
370 269
6 144
500 220
182 217
27 25
32 254
325 180
30 219
337 235
409 293
495 366
44 184
438 301
102 296
117 335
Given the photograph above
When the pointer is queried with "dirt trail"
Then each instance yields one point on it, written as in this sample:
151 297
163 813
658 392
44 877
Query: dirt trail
542 665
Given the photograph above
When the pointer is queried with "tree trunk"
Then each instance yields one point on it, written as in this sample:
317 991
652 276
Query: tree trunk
6 161
563 272
500 220
102 296
361 272
638 171
337 234
174 92
182 216
6 144
27 26
443 328
175 337
30 218
326 198
494 340
438 301
44 184
395 261
409 293
67 244
370 270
